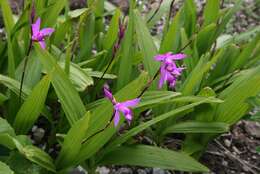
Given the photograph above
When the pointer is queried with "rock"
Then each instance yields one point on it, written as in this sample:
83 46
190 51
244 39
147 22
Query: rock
141 171
227 142
253 129
158 171
124 170
38 134
103 170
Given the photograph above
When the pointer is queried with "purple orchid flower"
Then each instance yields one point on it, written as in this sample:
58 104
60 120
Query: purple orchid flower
39 35
169 71
121 107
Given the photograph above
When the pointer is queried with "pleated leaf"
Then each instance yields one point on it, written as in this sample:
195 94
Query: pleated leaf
32 107
149 156
5 169
197 127
72 142
69 98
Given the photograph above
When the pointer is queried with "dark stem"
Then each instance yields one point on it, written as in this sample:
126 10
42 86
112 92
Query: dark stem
109 122
156 11
115 49
24 68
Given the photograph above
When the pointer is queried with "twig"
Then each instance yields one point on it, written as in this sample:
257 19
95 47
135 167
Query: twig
245 164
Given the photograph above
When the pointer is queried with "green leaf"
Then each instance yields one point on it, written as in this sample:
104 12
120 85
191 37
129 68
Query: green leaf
77 13
211 12
5 127
14 85
7 16
125 62
171 40
155 97
112 33
244 56
3 98
103 113
146 44
5 169
235 105
149 156
197 127
32 107
86 34
205 38
190 86
155 17
227 16
190 17
51 14
78 76
72 143
174 113
70 100
20 165
39 157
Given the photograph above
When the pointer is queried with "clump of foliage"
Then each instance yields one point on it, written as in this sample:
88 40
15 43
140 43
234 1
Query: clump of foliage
55 62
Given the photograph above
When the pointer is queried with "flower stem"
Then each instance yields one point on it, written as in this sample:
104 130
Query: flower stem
24 69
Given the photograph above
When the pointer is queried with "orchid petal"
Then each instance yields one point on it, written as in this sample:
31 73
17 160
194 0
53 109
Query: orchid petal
47 31
43 45
36 27
131 103
162 78
108 94
116 118
159 57
177 56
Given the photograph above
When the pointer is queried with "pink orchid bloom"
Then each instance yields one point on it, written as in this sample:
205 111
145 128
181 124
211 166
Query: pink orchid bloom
122 107
39 35
168 70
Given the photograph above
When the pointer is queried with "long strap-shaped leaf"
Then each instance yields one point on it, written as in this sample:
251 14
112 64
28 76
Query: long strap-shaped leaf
72 143
146 44
32 107
149 156
67 94
4 169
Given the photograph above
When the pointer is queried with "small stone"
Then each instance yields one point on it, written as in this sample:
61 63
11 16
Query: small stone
141 171
227 142
225 163
158 171
124 171
253 129
38 134
103 170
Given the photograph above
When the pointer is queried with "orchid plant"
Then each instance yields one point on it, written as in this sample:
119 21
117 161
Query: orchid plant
188 79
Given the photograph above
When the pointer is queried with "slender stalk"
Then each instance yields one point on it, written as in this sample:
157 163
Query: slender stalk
156 11
24 69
